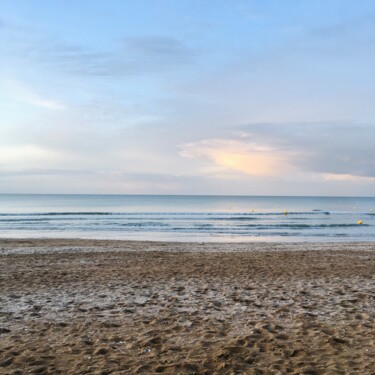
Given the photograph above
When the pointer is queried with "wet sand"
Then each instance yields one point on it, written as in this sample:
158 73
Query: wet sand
117 307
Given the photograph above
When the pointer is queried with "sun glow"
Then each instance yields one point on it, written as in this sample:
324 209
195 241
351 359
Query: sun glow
237 156
249 163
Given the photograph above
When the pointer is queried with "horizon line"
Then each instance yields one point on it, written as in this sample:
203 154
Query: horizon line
197 195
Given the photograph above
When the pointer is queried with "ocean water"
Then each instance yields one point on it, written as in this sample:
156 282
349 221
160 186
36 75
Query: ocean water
187 218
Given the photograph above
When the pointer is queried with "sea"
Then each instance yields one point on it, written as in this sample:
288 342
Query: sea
188 218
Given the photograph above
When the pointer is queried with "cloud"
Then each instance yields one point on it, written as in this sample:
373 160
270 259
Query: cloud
322 147
342 152
44 103
21 92
161 48
234 155
80 181
15 172
348 178
27 154
359 25
132 56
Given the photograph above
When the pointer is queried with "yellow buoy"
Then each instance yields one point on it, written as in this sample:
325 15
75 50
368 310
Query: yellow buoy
285 212
359 222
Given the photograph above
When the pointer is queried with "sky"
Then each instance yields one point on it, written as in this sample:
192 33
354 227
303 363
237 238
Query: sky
257 97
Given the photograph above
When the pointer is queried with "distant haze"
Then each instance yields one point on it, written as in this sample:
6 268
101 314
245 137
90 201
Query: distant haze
187 97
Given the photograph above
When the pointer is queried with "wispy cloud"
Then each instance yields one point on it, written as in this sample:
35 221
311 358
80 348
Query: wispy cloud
35 172
21 92
132 56
348 178
27 154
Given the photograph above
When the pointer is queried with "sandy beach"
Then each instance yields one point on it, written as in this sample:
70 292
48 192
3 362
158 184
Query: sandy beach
120 307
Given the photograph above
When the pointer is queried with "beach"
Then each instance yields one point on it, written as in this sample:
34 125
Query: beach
128 307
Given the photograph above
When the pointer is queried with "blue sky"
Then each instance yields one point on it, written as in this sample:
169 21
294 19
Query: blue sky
187 97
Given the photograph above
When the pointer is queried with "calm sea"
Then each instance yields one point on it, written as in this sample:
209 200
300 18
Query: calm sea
188 218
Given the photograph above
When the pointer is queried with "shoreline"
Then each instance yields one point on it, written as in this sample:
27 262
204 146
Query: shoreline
126 307
237 239
51 245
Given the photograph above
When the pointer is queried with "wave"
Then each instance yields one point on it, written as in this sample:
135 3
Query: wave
57 213
306 226
192 226
234 214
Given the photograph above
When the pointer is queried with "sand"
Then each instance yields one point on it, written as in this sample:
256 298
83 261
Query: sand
117 307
